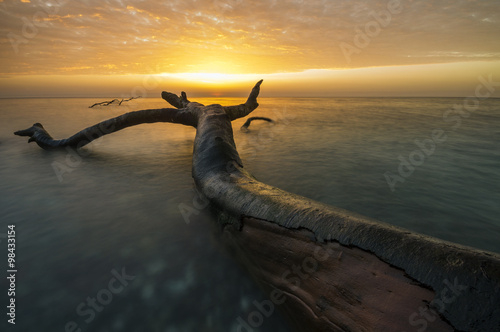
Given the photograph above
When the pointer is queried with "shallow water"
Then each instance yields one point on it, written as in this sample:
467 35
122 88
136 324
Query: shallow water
117 207
338 151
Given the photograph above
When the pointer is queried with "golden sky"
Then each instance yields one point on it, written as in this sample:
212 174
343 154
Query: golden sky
221 47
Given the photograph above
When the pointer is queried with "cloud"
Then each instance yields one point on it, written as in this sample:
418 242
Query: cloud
133 37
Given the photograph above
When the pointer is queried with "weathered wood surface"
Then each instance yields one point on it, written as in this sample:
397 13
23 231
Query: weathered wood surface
376 278
327 286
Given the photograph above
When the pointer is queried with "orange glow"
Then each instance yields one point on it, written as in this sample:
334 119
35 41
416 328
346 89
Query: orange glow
455 79
222 47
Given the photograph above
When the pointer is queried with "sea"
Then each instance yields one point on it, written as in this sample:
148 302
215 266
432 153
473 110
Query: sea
103 241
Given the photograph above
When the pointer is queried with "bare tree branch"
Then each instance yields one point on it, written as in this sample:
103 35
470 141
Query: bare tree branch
131 98
174 100
240 111
187 113
109 102
38 134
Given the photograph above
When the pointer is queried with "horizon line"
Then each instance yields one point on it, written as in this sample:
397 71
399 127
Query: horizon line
221 97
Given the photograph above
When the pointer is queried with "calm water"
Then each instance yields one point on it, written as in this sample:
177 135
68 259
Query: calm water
118 207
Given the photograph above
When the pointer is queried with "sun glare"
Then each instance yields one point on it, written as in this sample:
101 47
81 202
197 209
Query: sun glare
211 78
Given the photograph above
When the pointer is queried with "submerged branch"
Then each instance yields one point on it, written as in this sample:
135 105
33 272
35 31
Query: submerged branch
249 121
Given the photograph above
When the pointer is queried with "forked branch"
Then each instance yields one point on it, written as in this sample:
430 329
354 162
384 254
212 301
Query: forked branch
109 102
185 112
174 100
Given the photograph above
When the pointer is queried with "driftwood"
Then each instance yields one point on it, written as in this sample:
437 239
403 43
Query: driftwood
249 121
109 102
328 269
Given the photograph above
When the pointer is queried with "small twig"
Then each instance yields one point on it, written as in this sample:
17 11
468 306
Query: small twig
109 102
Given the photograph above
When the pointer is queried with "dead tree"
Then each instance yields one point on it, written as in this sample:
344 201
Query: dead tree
328 269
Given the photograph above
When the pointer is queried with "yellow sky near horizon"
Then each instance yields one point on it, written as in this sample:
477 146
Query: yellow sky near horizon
221 47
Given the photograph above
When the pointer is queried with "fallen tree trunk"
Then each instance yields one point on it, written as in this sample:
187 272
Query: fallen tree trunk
327 268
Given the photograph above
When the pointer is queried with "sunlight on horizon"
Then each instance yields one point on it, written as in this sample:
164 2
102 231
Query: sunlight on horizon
441 80
211 77
314 48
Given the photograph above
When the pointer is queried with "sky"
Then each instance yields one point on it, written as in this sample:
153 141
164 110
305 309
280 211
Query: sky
314 48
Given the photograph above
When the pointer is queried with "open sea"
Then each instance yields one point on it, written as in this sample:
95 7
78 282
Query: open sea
107 224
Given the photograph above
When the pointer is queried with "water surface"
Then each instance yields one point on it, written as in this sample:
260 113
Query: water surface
78 218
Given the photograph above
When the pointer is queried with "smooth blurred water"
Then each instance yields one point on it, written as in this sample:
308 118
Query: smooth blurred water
337 151
118 208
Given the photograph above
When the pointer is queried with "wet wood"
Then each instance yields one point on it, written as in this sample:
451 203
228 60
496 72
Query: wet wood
328 286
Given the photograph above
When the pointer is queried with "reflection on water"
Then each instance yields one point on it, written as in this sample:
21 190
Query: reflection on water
117 207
